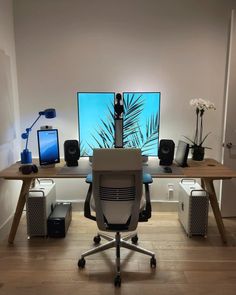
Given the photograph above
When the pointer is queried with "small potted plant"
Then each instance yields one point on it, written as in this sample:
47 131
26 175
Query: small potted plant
200 106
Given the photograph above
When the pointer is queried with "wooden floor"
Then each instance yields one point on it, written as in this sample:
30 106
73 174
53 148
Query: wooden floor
184 266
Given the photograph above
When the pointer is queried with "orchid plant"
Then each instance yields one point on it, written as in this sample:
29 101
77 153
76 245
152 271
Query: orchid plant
200 106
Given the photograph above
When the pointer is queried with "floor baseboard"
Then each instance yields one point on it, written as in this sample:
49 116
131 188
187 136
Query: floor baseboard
5 227
157 206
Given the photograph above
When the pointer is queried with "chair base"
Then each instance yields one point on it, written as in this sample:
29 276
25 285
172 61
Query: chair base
117 243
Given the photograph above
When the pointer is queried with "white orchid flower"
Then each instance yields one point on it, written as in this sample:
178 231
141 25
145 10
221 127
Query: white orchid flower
202 104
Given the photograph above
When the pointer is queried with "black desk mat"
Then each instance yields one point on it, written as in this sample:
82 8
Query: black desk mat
77 170
152 167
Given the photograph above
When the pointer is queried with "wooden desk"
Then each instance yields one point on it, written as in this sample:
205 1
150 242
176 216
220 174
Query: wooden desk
207 170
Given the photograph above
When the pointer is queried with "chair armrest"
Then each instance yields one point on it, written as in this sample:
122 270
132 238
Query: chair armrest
147 178
89 178
147 212
87 209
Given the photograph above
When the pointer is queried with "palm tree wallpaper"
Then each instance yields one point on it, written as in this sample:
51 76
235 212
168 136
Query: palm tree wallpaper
140 121
96 121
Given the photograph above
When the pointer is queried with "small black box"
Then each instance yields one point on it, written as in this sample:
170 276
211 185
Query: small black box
59 220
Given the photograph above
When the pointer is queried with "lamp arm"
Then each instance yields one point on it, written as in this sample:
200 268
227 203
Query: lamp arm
26 155
35 122
26 143
29 129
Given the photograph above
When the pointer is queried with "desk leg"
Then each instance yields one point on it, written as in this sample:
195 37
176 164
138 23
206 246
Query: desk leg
209 186
19 209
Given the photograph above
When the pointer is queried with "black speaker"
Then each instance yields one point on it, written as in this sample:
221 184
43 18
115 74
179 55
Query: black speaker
71 152
166 151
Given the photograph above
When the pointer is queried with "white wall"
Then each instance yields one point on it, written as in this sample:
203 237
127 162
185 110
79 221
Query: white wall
9 151
176 47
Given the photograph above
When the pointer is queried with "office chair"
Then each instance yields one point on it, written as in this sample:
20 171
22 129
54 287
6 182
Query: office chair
115 194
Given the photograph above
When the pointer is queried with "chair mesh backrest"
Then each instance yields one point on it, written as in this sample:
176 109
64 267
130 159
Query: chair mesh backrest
117 188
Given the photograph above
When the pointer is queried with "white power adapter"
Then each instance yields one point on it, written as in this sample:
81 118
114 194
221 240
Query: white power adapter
170 191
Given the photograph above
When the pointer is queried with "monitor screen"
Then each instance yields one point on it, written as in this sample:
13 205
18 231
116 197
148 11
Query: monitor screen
96 121
141 121
48 146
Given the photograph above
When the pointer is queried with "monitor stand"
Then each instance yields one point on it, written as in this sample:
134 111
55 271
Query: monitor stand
47 166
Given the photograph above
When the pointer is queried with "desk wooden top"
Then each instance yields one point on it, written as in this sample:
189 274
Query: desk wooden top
13 172
207 168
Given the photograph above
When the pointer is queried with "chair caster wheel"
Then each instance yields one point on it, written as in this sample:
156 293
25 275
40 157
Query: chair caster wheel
81 263
134 240
117 281
153 262
97 240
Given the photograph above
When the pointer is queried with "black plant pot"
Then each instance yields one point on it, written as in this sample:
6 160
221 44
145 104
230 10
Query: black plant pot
198 153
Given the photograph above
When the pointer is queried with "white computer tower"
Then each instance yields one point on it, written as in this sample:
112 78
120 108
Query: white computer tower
193 208
40 202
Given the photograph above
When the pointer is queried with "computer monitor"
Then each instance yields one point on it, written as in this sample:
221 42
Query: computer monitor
48 146
142 121
96 121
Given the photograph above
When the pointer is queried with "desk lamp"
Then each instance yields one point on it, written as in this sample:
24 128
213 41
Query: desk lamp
26 156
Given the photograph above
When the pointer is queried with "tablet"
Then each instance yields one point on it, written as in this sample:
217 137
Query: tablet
182 154
48 146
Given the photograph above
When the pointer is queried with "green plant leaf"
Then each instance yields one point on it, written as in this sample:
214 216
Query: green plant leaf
204 138
200 144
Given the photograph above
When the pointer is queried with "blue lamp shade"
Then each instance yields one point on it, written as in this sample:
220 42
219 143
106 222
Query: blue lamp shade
26 156
48 113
